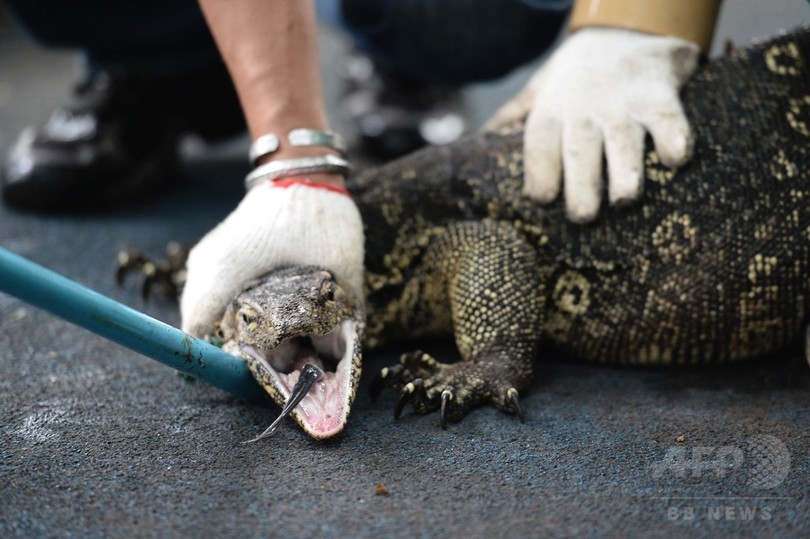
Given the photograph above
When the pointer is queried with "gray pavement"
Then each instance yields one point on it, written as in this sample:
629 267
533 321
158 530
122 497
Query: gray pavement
96 441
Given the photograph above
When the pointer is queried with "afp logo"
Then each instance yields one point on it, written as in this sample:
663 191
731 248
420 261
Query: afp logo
764 457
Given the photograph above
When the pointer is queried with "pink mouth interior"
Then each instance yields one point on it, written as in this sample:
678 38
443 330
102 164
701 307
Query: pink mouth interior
324 409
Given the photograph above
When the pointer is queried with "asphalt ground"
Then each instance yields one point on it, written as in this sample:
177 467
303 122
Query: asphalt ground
96 441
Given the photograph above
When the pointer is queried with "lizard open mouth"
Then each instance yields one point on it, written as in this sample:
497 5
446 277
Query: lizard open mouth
324 409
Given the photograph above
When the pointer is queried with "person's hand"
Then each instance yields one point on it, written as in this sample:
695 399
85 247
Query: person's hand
276 224
602 87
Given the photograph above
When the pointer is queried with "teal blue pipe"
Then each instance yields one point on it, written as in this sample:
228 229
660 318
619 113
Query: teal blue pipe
115 321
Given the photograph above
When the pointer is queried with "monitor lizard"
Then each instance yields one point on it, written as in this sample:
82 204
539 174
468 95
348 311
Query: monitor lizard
709 266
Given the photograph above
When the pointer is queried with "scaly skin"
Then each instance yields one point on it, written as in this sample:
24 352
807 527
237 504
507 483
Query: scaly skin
710 266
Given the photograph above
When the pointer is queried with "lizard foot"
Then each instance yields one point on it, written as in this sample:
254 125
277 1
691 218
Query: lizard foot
452 388
166 276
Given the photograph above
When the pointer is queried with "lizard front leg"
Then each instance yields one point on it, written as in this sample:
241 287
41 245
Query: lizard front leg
166 276
490 279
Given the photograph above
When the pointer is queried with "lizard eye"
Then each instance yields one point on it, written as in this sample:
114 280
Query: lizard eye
246 319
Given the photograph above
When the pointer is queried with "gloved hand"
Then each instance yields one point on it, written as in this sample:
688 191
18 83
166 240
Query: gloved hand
602 87
276 224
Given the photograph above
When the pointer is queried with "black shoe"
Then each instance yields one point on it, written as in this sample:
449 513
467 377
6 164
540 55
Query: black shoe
115 142
394 116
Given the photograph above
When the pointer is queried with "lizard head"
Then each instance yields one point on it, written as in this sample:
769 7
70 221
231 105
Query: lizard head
291 317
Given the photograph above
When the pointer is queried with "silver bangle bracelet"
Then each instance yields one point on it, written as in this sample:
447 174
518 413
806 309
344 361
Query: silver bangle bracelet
269 144
274 170
313 137
264 145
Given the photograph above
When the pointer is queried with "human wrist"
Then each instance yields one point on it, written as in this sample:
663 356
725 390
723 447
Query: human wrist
300 142
327 178
314 154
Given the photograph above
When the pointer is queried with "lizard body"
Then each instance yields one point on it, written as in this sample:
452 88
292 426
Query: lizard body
710 266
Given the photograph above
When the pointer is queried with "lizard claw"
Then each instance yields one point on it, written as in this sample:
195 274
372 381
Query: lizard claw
149 271
450 388
512 395
406 394
166 276
447 396
383 378
134 261
129 260
378 384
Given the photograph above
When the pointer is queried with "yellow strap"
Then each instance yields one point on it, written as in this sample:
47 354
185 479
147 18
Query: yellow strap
692 20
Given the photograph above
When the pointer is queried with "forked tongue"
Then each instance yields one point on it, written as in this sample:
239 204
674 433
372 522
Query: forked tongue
309 375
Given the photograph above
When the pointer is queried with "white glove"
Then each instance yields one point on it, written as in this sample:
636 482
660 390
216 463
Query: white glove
273 226
603 86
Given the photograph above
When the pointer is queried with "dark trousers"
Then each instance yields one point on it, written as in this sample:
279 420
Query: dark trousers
447 41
